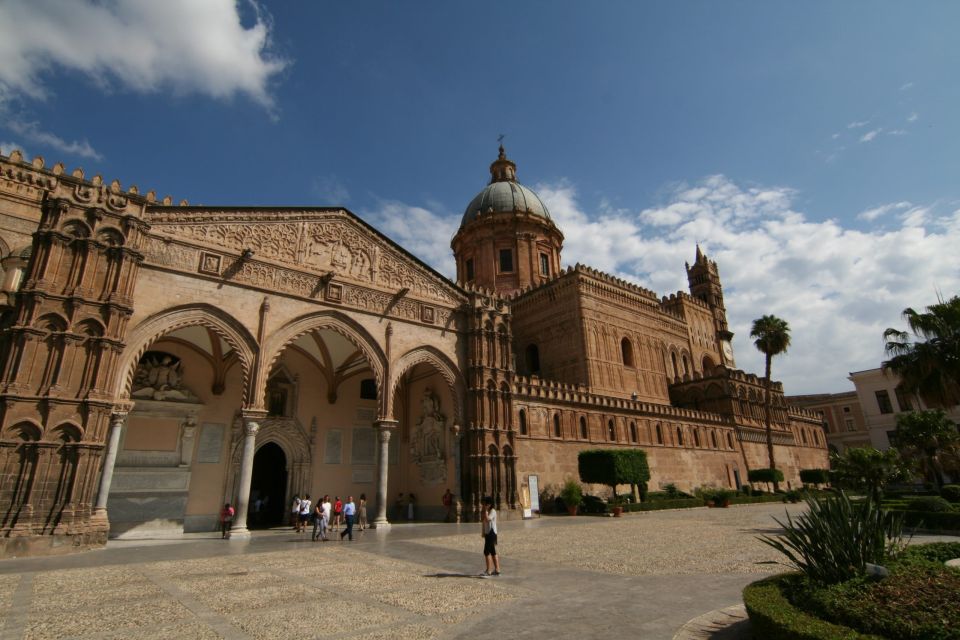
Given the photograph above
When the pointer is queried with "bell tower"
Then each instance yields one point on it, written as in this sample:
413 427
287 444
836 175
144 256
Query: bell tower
506 241
704 280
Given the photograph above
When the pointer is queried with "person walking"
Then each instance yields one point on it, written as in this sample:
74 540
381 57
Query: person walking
349 511
489 534
226 521
295 513
325 509
411 501
362 512
398 506
447 506
317 522
305 505
337 513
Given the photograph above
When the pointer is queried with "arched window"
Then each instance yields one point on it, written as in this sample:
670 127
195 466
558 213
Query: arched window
803 435
686 365
633 432
676 371
611 430
713 439
533 358
659 434
523 422
696 437
583 428
679 436
626 352
556 425
708 365
730 440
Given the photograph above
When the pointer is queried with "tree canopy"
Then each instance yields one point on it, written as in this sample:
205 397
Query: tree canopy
772 338
869 469
925 434
927 356
613 466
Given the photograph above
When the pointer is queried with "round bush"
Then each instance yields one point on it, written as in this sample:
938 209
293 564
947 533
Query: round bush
933 504
950 492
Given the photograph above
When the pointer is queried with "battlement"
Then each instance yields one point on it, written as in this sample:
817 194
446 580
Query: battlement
735 375
536 388
681 297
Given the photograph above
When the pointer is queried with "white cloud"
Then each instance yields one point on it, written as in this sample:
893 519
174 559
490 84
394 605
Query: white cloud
143 45
7 147
330 190
835 136
913 117
32 131
856 124
905 86
838 288
872 214
870 135
897 132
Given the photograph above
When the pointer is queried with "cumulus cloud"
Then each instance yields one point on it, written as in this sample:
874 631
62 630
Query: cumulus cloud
913 117
870 135
838 287
905 86
142 45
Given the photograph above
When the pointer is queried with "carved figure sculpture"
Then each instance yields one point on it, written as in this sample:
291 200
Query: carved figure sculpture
161 378
427 440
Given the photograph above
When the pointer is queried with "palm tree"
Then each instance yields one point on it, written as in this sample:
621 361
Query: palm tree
929 362
772 338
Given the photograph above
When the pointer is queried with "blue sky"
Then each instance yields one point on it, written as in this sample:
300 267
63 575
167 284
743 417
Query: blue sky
812 148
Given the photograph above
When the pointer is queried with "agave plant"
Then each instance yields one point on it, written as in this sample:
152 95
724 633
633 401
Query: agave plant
837 538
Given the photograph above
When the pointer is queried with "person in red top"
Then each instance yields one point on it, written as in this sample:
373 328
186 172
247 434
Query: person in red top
226 521
337 513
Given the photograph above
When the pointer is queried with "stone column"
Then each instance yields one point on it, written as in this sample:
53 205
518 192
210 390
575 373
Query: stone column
117 420
250 427
384 429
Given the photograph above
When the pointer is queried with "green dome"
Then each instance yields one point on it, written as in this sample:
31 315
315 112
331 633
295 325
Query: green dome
504 194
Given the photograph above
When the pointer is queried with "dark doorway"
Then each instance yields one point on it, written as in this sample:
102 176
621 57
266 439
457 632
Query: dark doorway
268 487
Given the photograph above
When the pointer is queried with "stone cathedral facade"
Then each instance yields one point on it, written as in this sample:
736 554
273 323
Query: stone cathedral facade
160 359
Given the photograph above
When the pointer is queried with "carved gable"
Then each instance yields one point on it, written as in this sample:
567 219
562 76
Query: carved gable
318 241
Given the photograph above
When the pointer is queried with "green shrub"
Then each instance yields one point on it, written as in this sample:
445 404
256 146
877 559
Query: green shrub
935 504
793 496
773 616
814 476
932 520
938 552
765 475
572 493
835 538
593 504
950 492
659 505
754 499
613 467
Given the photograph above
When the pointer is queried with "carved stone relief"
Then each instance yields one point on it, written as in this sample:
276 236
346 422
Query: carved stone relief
428 441
159 376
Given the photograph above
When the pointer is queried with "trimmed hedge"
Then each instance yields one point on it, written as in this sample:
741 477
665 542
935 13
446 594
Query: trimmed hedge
932 520
756 499
930 503
951 492
613 467
773 616
765 475
657 505
815 476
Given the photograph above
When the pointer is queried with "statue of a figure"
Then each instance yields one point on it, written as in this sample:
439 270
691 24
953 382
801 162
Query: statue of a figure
427 438
160 379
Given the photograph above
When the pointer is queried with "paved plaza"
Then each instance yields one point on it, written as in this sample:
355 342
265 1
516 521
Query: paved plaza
643 575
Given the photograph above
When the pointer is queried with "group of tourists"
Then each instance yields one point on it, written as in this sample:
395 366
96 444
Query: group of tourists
327 516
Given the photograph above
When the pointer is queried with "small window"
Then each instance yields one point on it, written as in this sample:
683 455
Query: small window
626 352
469 269
846 409
633 432
883 401
803 436
659 434
533 358
851 425
506 260
696 437
523 422
730 440
713 439
544 264
903 399
583 428
679 436
368 389
611 431
556 426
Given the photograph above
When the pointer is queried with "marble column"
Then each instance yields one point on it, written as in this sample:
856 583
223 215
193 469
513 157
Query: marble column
117 421
250 427
384 429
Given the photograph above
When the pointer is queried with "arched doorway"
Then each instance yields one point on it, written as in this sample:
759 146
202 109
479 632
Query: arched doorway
268 487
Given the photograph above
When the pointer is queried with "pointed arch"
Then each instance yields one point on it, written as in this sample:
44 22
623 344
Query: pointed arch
335 321
444 366
163 322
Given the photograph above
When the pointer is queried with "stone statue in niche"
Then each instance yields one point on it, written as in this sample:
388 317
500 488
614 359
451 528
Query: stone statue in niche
427 440
159 376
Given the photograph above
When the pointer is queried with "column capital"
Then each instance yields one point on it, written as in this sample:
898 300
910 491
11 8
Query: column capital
385 424
255 415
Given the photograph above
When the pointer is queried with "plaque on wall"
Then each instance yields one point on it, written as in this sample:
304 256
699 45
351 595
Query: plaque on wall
363 447
365 415
211 442
333 448
363 476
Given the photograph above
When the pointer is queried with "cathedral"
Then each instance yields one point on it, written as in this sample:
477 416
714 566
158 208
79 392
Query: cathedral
160 359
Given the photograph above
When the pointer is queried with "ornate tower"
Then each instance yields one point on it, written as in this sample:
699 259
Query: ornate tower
60 345
704 280
506 241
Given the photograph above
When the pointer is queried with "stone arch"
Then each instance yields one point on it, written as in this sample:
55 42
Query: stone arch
707 364
293 440
336 321
444 366
26 430
66 432
159 324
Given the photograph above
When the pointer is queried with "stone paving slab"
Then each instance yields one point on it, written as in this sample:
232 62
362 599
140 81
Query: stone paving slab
644 576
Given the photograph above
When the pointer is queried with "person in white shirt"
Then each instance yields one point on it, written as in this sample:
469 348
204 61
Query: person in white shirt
295 513
490 538
305 505
325 508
